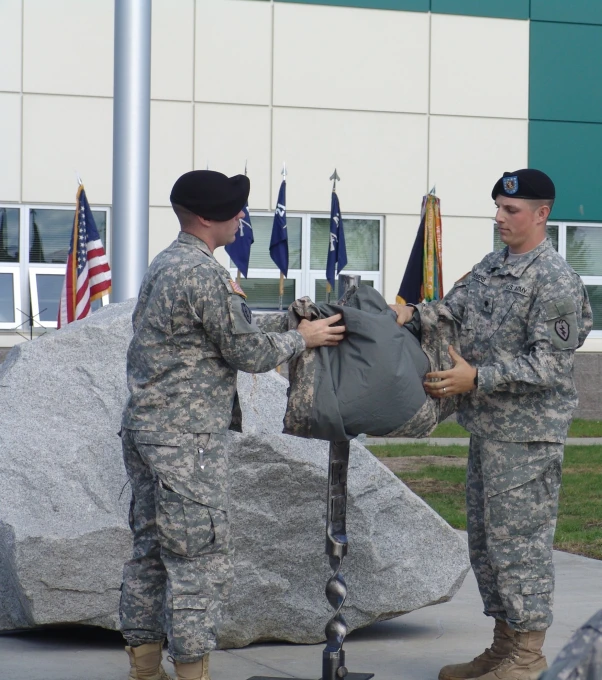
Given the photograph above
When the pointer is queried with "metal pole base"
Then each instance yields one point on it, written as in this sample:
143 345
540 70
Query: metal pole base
349 676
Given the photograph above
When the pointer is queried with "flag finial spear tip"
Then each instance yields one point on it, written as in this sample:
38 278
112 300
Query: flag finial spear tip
335 178
245 167
78 178
433 191
283 173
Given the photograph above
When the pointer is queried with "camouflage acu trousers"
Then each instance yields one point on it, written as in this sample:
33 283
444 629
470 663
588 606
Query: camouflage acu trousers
181 568
512 501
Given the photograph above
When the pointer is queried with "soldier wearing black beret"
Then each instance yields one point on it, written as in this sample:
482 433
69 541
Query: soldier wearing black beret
522 313
193 331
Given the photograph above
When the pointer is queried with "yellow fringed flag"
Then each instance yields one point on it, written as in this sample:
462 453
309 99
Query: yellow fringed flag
423 277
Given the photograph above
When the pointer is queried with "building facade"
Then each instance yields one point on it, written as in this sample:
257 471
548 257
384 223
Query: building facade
399 95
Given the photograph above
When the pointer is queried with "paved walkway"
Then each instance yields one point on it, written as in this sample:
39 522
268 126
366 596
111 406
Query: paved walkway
411 647
460 441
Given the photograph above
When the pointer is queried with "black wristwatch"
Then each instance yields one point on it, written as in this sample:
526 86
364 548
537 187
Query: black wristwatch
476 379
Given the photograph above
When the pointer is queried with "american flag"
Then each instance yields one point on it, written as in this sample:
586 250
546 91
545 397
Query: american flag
88 275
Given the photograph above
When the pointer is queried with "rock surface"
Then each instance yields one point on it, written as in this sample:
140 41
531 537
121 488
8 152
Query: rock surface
64 500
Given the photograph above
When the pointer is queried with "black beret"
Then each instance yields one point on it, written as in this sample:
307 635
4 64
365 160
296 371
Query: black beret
211 194
526 183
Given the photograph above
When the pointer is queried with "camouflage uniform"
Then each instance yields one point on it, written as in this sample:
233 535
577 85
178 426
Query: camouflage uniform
521 322
581 657
192 332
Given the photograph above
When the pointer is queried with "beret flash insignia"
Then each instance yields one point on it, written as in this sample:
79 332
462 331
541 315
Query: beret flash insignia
510 184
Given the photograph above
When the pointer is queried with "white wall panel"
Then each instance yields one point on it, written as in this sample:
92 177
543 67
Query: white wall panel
380 157
233 51
348 58
400 232
10 45
61 135
163 229
468 155
466 241
68 49
171 152
226 136
479 66
10 145
172 46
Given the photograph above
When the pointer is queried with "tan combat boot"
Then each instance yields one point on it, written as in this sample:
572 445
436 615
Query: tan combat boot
492 657
145 662
526 661
199 670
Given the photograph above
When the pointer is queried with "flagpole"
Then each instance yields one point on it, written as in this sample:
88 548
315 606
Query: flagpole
131 146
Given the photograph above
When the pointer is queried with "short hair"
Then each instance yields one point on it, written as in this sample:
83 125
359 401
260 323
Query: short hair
185 217
539 202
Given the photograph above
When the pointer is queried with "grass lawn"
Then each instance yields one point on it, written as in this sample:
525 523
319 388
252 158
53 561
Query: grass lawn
579 528
579 428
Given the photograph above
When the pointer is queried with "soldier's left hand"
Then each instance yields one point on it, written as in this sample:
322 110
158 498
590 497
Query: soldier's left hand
456 380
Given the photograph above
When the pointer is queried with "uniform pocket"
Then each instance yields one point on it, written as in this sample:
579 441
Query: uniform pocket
184 526
561 320
523 498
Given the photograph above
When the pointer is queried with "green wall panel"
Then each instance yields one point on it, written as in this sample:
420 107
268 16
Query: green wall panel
572 11
570 153
564 73
407 5
506 9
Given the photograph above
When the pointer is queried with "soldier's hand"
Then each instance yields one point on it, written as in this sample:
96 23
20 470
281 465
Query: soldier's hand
321 332
457 380
404 313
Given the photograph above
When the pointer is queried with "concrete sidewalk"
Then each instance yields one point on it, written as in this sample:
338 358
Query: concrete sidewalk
411 647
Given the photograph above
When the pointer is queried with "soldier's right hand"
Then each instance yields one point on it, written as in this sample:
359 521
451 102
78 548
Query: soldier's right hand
404 313
322 332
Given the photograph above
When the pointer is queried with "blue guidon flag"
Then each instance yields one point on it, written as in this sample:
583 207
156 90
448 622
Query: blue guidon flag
279 240
337 252
240 249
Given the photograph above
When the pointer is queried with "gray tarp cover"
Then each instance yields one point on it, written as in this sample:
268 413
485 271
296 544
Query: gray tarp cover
372 381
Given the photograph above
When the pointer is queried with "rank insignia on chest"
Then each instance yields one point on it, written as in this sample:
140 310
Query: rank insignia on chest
237 289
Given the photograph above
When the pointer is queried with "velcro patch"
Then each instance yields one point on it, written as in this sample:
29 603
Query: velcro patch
237 289
561 319
480 278
517 288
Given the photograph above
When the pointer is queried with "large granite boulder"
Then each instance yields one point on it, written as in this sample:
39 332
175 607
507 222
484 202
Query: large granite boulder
64 500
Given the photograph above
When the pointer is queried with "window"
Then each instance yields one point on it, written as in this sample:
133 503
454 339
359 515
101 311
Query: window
34 245
308 236
581 245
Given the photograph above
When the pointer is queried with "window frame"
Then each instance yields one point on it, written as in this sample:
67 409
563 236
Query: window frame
13 269
305 278
26 289
563 225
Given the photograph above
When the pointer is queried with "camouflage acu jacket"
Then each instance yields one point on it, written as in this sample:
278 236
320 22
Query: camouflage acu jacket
192 332
521 323
581 657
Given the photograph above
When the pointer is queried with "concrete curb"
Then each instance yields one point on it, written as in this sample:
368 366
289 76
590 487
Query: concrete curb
462 441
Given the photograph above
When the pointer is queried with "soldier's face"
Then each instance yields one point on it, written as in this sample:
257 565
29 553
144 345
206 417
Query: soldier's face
519 225
225 232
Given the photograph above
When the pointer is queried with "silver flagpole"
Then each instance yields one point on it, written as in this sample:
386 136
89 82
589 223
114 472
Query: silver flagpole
131 146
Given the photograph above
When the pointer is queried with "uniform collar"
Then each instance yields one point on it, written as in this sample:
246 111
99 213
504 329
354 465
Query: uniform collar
194 241
518 267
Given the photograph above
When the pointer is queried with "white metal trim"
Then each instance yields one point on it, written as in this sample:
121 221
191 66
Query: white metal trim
6 268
